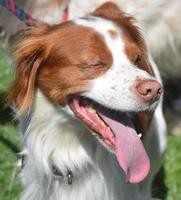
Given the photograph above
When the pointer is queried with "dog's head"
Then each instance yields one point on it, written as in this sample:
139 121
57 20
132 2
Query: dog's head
97 65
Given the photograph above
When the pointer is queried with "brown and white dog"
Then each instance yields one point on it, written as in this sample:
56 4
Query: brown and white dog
86 91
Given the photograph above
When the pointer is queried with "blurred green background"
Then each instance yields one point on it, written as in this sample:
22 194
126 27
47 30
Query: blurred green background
9 139
167 184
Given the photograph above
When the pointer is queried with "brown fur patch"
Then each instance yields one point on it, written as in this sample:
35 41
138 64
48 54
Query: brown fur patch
60 60
112 12
137 54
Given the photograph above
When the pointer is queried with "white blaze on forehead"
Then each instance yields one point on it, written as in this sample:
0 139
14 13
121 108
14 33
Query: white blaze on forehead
103 27
113 88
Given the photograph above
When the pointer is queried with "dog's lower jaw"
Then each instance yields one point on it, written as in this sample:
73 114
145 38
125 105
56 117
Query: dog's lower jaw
55 137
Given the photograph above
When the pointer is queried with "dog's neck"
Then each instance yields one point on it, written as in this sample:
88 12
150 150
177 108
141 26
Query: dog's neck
54 137
59 135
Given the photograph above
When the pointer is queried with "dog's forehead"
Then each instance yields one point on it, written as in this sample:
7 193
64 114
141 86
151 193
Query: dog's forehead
112 35
100 24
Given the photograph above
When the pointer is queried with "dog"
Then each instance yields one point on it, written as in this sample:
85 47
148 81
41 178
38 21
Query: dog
89 100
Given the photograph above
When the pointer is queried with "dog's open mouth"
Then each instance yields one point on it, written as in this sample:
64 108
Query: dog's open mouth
116 130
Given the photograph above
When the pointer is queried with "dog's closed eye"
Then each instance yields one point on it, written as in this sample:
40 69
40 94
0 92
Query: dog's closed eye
100 64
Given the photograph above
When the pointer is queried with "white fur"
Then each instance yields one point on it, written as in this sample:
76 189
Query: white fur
53 136
121 76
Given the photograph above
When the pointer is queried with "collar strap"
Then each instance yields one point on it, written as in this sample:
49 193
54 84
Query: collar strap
69 175
55 171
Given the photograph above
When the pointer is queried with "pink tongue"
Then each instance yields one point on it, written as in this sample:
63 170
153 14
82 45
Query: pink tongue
130 152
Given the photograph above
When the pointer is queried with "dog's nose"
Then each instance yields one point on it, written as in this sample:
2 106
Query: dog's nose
149 90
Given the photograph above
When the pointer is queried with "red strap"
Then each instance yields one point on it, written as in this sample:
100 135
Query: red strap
29 21
65 14
12 6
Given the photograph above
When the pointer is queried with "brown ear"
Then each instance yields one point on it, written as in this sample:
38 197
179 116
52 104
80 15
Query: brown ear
108 10
29 56
127 23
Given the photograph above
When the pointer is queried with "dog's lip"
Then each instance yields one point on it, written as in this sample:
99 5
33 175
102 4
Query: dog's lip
94 122
121 137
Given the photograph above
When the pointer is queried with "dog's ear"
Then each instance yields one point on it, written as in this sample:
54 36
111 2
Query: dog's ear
126 22
29 55
129 27
108 10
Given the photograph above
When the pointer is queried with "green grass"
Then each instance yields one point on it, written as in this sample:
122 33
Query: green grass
9 140
9 183
167 184
168 181
5 71
173 168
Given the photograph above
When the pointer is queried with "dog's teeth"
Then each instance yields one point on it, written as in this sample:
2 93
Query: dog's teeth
91 110
96 115
108 128
102 123
140 135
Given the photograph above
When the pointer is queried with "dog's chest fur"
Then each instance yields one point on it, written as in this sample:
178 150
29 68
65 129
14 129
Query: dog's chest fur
61 139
